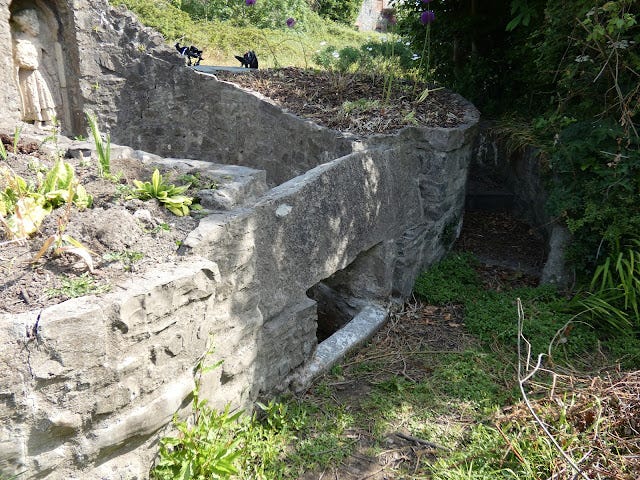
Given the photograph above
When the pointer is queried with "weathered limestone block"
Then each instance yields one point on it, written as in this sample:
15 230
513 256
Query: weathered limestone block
66 357
143 419
327 231
555 270
286 341
85 383
363 326
229 240
235 342
147 310
13 455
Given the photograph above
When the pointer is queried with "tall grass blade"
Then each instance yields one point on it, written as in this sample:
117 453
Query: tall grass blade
103 151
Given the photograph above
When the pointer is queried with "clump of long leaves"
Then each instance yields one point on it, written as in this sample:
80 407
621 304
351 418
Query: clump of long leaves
169 195
612 299
103 147
205 449
23 207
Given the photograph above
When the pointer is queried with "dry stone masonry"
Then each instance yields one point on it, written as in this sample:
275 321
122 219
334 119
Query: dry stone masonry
316 225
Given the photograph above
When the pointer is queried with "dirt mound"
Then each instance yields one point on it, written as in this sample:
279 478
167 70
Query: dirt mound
124 235
354 103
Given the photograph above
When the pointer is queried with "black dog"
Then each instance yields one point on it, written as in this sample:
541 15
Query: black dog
190 52
248 60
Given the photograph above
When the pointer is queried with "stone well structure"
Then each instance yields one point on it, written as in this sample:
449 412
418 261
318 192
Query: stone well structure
312 222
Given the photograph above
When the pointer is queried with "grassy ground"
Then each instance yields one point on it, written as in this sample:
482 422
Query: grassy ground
435 395
222 40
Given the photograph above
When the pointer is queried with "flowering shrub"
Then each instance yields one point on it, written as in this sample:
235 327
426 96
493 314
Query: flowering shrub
372 58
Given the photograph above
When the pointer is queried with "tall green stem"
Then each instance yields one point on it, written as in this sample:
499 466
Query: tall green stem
426 48
388 81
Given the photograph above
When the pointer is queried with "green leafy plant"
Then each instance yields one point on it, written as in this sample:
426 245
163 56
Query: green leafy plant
613 297
207 449
594 187
169 195
23 207
207 446
128 258
60 186
73 287
103 148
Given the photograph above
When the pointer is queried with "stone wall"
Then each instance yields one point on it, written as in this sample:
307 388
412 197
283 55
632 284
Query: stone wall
89 392
501 179
146 98
369 17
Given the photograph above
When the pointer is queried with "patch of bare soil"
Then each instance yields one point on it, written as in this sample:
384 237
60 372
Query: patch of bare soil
508 247
124 235
350 103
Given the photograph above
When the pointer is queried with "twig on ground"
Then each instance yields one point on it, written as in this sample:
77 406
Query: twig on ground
522 380
386 355
420 441
515 451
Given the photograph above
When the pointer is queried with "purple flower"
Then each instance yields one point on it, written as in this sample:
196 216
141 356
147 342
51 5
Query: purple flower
427 17
426 1
291 22
250 2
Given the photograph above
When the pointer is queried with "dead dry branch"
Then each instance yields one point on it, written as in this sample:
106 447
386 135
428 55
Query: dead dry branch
594 419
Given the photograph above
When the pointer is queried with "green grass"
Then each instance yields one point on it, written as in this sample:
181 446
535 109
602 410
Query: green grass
222 40
73 287
465 401
128 258
491 316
